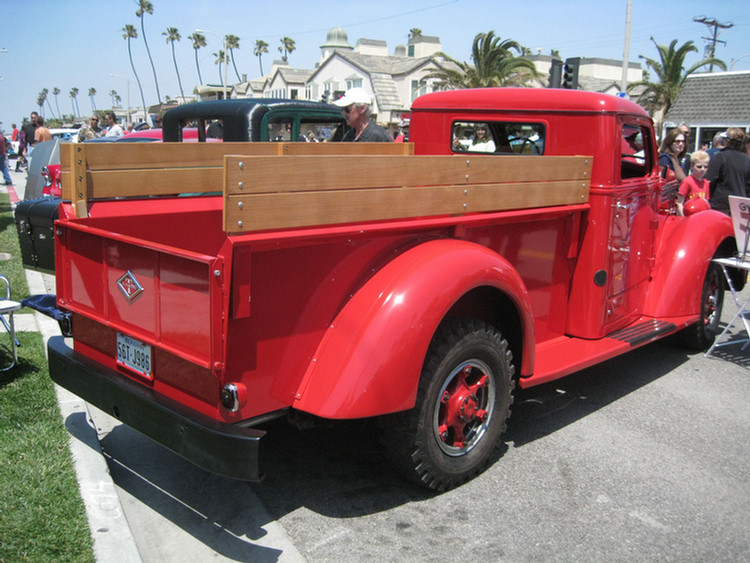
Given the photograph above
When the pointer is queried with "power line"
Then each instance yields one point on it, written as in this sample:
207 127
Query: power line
711 48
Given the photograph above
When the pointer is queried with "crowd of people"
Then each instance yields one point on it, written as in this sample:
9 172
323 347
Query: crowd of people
34 131
711 173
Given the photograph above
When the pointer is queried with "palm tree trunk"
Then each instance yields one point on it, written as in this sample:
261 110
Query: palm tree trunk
138 80
179 81
153 68
198 67
231 51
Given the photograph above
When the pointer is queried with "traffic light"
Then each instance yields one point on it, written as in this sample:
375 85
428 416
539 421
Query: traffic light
570 73
555 73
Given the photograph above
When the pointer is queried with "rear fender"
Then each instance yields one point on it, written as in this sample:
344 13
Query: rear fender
370 359
686 248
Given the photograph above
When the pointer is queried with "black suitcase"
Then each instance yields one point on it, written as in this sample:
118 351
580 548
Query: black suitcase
35 221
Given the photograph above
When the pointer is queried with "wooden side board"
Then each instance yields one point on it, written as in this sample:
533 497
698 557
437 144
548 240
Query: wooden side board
106 170
272 193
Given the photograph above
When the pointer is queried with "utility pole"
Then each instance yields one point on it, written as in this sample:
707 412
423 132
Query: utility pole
710 51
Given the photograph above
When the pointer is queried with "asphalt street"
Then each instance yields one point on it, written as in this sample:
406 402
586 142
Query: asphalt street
642 458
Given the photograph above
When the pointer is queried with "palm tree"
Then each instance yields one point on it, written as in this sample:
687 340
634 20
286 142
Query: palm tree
40 99
286 47
146 7
657 97
131 33
494 65
74 101
199 41
92 93
114 97
221 58
233 42
55 92
173 35
415 32
260 48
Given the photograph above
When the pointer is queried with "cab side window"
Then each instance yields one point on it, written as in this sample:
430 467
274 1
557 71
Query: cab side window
497 137
634 154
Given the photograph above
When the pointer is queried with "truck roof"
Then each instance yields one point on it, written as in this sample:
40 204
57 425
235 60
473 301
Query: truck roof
527 99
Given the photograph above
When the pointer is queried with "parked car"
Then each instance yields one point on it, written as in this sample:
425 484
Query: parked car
64 134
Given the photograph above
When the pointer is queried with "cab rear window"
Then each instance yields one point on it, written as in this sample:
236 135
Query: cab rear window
498 137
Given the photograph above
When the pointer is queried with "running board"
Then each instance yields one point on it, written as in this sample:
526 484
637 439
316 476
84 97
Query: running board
564 355
643 332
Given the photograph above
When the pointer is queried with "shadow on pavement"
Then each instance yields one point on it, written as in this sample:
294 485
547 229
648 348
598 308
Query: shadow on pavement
341 472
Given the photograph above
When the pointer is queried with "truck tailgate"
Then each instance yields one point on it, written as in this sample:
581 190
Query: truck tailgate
155 293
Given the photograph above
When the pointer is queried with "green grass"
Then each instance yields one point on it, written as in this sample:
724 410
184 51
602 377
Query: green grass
42 518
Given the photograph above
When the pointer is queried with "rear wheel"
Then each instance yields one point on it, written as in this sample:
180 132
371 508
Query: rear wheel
702 334
463 403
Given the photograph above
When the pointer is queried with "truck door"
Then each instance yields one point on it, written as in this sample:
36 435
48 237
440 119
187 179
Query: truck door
631 236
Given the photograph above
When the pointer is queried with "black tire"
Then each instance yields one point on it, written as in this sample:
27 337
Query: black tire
462 407
702 334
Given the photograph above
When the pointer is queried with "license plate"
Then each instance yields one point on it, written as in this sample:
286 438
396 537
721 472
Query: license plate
134 355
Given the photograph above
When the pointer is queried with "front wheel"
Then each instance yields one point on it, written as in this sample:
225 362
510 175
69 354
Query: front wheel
702 334
463 404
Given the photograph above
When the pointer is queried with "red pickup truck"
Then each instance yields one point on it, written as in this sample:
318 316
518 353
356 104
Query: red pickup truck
522 235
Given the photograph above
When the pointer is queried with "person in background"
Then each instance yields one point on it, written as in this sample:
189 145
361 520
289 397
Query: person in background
729 171
685 162
42 134
157 121
672 151
92 131
113 129
357 110
4 161
695 185
720 141
28 139
14 134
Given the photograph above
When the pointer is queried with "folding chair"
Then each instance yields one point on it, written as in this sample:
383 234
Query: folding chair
739 208
7 308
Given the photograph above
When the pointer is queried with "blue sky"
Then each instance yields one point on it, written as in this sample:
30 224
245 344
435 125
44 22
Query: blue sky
77 43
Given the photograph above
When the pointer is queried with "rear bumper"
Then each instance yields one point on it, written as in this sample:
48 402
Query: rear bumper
215 446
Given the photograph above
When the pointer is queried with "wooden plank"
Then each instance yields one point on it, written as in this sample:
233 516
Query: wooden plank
105 170
127 156
314 173
251 212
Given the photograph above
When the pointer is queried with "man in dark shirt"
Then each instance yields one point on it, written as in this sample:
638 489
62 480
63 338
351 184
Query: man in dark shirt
357 104
729 172
29 130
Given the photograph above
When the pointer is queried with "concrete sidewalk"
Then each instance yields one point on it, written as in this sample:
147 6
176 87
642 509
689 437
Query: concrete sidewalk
113 540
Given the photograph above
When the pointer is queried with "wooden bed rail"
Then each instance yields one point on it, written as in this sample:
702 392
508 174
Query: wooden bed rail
265 192
93 171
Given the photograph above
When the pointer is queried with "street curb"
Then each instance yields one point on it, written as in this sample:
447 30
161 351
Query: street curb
113 540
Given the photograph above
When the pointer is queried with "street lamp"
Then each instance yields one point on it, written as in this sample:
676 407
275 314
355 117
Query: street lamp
224 41
731 65
128 96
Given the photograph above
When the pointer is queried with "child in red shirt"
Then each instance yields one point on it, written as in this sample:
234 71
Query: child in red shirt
695 185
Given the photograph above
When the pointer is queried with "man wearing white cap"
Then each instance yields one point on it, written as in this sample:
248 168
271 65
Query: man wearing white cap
356 104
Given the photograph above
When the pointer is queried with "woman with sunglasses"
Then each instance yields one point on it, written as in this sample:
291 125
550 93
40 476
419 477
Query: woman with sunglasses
672 151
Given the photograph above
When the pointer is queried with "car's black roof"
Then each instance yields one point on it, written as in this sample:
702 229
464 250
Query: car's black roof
241 118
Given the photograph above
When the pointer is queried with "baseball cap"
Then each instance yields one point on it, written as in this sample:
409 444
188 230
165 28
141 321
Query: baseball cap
353 96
